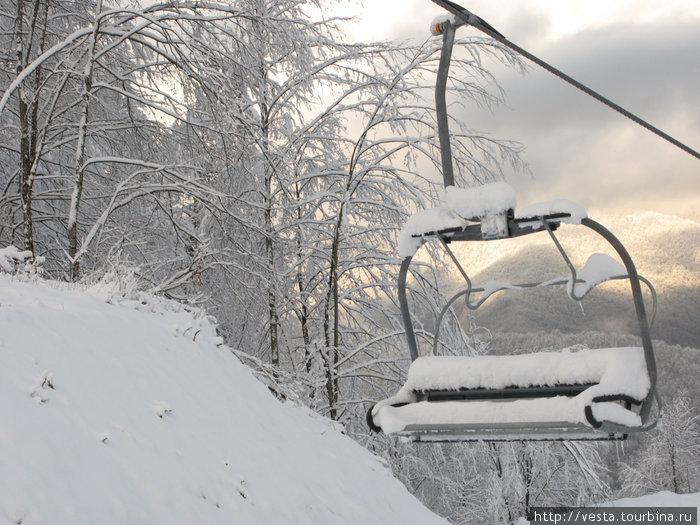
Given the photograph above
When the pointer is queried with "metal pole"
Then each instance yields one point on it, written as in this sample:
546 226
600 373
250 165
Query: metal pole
405 310
441 104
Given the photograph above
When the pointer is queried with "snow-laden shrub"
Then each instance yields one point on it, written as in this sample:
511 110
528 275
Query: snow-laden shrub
118 280
669 456
22 264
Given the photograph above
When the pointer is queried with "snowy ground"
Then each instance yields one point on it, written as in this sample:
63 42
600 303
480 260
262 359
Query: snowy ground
116 411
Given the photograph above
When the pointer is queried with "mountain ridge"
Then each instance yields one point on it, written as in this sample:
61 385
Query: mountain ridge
665 249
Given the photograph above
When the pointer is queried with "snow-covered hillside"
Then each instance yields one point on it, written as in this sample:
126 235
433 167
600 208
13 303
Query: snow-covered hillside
117 411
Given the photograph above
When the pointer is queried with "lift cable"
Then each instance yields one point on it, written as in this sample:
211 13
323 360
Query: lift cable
470 18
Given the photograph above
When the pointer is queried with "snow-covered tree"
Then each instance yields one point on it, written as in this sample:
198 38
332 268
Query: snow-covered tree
474 483
669 456
28 29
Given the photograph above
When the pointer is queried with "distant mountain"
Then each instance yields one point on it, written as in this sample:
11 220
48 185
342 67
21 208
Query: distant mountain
666 250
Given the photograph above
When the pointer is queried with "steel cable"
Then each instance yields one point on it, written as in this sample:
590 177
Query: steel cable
471 19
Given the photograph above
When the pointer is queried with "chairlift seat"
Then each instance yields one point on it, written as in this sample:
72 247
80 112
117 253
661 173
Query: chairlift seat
597 394
545 395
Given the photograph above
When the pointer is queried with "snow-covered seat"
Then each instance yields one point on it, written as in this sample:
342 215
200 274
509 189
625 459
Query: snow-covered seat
545 395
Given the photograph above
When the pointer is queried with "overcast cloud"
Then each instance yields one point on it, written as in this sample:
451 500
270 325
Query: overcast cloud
644 56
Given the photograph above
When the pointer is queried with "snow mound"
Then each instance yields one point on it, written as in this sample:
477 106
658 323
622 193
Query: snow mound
599 268
476 202
132 411
10 256
620 370
16 261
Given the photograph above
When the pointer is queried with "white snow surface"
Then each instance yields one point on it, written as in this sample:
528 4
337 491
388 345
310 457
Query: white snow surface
622 370
425 221
612 371
117 411
476 202
660 499
527 411
599 268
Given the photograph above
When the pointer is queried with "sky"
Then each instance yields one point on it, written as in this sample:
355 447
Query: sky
642 54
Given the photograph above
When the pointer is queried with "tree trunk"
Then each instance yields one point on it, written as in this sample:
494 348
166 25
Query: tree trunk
332 334
273 316
28 110
304 309
25 135
80 152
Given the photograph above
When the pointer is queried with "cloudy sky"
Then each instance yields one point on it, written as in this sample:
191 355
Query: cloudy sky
642 54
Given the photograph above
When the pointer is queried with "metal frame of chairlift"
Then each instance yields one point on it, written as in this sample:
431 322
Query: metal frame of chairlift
598 430
516 227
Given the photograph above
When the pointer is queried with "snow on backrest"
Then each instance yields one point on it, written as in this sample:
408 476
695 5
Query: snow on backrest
477 202
426 221
615 370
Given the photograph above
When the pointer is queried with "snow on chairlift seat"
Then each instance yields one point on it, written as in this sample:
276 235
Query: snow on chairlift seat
483 204
463 204
489 395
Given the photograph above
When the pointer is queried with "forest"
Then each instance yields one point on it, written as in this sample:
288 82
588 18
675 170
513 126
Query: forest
243 157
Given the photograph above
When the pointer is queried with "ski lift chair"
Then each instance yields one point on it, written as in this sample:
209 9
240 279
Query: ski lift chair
600 394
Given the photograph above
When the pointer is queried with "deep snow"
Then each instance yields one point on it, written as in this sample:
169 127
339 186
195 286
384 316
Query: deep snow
612 371
116 411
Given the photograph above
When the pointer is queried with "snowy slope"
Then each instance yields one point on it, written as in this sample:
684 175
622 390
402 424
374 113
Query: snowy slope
116 411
